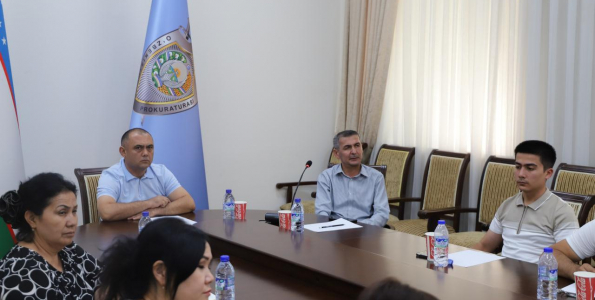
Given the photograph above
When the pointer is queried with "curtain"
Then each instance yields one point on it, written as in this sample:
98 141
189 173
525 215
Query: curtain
456 83
480 76
560 81
369 30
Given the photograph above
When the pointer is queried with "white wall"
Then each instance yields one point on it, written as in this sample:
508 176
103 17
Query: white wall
268 77
267 92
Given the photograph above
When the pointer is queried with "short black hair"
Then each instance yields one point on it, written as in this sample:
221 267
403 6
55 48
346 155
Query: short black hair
545 151
342 134
33 195
129 131
391 289
128 263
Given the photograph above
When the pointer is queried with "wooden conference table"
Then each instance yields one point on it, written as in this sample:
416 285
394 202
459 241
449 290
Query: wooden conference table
274 264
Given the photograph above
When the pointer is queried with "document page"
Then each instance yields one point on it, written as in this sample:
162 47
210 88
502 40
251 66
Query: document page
470 258
570 290
187 221
340 224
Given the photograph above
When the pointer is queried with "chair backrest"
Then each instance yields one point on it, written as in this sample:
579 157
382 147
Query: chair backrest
88 180
575 179
497 184
443 179
581 204
333 160
398 160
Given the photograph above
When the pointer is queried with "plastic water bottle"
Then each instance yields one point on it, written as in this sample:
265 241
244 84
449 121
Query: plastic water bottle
144 220
297 216
225 280
547 276
228 205
441 245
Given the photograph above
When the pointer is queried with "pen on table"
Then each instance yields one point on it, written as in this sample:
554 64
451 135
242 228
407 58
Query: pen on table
332 226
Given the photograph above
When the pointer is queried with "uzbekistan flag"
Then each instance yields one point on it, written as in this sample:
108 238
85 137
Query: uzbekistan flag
11 156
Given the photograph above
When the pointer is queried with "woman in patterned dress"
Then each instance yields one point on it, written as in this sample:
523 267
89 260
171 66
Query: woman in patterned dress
45 264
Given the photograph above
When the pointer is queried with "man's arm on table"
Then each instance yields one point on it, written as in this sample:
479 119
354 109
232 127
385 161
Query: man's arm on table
181 202
323 204
566 258
110 210
493 238
580 245
380 205
489 242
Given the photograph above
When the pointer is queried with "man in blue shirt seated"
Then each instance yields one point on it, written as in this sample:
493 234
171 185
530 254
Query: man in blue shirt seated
135 184
350 189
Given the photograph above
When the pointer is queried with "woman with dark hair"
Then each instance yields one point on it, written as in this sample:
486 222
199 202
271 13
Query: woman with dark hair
45 264
391 289
168 260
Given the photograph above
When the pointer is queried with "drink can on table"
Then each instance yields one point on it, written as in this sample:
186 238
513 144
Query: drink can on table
240 210
585 285
285 219
430 245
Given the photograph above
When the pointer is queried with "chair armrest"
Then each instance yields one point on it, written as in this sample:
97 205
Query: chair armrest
434 214
292 184
403 200
429 213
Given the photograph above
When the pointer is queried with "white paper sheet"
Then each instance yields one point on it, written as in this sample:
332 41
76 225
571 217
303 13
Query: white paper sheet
469 258
570 290
340 224
187 221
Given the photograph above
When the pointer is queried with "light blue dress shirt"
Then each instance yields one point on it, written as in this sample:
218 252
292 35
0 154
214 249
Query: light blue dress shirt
119 184
362 197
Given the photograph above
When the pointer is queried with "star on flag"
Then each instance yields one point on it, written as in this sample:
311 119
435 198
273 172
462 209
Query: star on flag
3 41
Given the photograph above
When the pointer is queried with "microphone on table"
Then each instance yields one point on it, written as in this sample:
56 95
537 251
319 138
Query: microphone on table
273 218
308 165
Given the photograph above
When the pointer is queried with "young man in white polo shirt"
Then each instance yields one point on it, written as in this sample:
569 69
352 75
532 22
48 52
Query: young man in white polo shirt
535 218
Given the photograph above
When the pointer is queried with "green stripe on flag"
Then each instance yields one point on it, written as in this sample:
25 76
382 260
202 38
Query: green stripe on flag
6 241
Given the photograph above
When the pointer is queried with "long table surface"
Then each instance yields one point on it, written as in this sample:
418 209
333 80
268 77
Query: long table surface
272 263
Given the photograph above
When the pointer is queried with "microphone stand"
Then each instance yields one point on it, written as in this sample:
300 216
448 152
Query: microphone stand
299 181
273 218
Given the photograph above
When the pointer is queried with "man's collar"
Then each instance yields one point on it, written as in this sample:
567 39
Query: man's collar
337 169
537 203
129 176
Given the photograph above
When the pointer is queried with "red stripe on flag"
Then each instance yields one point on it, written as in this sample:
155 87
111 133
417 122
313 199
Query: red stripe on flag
11 92
14 238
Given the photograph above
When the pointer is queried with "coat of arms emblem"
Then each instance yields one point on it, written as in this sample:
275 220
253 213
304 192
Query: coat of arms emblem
166 81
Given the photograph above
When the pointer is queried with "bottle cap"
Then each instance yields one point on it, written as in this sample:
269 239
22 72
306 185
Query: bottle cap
441 222
548 250
145 213
298 200
228 191
224 258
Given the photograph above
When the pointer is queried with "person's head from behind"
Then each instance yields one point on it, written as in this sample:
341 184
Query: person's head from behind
348 148
168 260
534 162
43 210
391 289
136 147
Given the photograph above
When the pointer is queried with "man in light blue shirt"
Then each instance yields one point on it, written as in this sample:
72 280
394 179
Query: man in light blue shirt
135 184
350 189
